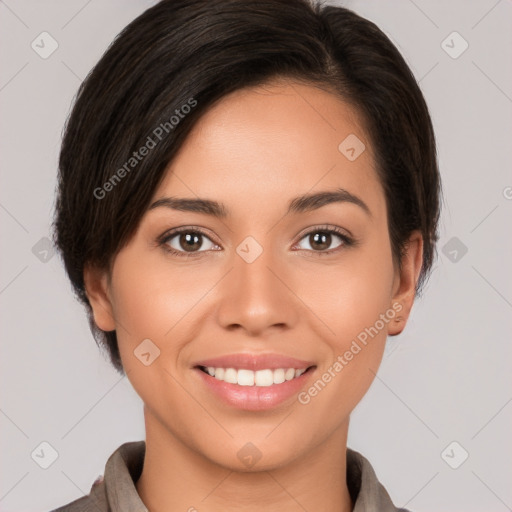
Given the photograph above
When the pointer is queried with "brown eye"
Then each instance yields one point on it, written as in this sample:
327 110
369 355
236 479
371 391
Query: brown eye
187 241
321 240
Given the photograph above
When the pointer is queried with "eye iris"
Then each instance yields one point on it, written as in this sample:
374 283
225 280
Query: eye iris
190 241
322 239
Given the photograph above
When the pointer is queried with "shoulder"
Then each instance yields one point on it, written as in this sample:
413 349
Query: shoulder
367 493
95 501
116 491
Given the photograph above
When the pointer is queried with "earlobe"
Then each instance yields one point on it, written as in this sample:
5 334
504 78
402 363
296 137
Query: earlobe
405 283
97 291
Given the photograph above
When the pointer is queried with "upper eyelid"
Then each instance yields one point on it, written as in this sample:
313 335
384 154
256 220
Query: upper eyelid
336 229
185 229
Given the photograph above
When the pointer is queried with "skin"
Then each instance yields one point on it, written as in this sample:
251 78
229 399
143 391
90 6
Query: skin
254 151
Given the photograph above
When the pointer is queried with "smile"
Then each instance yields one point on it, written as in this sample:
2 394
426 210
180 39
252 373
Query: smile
254 390
259 378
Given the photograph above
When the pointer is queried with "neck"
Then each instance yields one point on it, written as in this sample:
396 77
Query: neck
176 477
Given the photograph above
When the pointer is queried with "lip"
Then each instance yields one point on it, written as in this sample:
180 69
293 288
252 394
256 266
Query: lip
254 398
255 362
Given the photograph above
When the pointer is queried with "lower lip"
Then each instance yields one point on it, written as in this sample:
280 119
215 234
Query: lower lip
254 398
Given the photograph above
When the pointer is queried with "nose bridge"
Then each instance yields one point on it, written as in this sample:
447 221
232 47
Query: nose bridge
252 265
254 298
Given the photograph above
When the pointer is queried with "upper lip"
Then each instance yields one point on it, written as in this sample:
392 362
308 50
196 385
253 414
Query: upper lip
255 362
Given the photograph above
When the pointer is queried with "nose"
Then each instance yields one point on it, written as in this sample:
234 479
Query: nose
258 296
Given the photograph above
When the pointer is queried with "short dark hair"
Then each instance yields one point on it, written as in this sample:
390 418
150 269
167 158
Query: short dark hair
194 52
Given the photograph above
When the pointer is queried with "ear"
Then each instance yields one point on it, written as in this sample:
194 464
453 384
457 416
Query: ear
98 293
404 286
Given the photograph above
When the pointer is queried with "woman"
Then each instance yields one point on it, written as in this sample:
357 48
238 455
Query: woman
247 206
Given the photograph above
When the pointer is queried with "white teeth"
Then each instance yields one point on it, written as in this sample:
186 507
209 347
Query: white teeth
264 378
260 378
278 376
245 378
230 375
289 374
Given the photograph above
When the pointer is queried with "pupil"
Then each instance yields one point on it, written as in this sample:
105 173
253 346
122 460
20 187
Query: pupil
322 239
191 241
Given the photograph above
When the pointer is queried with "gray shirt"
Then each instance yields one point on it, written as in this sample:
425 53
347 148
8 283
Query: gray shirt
116 492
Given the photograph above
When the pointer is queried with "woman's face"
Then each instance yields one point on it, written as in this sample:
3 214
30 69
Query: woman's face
265 282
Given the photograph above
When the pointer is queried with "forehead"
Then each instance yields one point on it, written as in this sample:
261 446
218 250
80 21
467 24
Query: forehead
259 146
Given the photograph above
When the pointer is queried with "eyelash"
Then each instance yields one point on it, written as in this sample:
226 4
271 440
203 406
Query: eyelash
166 237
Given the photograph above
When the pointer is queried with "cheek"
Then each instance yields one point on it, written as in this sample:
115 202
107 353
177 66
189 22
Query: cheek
152 303
350 295
357 310
150 298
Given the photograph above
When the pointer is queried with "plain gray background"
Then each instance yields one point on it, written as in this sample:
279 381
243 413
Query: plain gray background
445 379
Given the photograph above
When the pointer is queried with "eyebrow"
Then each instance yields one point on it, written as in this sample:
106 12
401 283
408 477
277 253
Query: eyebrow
301 204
